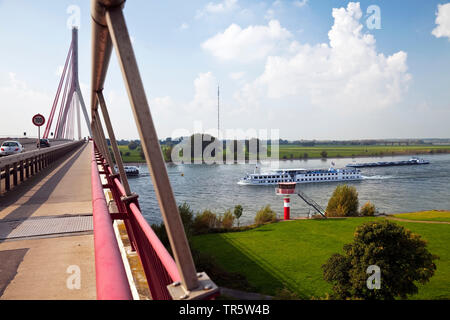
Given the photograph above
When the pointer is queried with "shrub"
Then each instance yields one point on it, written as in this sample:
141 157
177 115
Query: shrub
227 220
343 203
186 217
205 221
324 154
127 154
368 209
132 145
265 215
402 257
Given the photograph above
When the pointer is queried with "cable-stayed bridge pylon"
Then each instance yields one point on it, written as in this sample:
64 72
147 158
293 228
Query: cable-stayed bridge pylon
71 101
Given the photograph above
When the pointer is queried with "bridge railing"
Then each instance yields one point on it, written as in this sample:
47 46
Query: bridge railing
109 30
111 279
15 169
159 266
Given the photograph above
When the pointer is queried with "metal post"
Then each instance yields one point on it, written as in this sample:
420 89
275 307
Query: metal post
39 137
112 139
103 142
150 145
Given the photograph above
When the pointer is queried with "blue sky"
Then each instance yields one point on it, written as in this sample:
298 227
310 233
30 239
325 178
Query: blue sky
274 60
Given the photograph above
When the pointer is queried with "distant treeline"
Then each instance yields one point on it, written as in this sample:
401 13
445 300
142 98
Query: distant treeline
312 143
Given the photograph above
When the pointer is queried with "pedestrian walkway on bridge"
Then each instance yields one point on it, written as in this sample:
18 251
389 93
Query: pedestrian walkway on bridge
46 238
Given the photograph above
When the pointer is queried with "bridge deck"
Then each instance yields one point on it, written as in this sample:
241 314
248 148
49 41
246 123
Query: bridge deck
46 234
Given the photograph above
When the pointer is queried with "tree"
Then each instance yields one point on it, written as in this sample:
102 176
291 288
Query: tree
343 203
238 212
167 153
401 255
132 145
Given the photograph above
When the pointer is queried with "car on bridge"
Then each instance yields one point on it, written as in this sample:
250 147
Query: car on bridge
10 147
43 143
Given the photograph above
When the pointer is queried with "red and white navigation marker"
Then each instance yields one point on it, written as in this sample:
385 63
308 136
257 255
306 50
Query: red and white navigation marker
285 189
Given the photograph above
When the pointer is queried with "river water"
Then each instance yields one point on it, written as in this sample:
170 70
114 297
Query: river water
214 187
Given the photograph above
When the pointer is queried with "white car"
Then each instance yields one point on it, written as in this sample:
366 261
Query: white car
10 147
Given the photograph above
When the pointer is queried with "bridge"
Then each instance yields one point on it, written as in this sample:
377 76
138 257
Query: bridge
70 226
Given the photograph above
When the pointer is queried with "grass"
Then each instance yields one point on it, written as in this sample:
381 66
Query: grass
434 215
333 151
289 255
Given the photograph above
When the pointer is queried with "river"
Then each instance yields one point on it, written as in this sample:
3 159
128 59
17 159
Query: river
214 187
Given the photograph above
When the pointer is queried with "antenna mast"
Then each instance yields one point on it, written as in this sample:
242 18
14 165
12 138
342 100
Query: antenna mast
218 113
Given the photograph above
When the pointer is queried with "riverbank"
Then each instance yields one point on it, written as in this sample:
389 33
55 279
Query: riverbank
287 256
296 152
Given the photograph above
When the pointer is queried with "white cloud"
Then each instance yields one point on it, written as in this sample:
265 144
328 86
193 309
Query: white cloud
20 102
205 96
442 21
217 8
346 74
237 75
300 3
270 14
249 44
184 26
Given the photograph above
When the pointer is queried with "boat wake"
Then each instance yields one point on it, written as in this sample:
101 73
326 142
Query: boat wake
377 177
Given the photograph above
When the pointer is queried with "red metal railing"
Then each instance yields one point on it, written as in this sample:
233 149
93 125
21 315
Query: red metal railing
159 266
111 278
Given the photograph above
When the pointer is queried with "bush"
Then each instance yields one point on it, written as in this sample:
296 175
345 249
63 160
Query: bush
402 257
368 209
132 145
265 215
324 154
205 221
343 203
186 217
127 154
227 220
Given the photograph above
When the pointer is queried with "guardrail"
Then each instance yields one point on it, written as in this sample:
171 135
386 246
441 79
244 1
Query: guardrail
17 168
159 266
109 30
111 278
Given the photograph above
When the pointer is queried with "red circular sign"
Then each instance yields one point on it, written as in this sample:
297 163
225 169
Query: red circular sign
38 120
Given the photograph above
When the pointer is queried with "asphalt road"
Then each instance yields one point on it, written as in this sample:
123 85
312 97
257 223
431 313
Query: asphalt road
30 144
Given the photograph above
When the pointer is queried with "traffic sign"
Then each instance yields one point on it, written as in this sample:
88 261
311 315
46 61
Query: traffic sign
38 120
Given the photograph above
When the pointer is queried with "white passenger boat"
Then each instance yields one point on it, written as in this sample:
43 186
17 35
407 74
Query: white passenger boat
300 176
130 170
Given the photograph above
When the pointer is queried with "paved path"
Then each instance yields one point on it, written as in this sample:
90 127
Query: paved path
46 240
417 221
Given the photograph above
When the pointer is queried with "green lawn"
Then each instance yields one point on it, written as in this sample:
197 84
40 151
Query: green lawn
434 215
333 151
290 254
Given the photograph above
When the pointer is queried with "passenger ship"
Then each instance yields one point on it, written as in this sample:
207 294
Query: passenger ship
300 176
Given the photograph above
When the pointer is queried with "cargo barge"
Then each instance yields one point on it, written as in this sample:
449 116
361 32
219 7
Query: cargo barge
412 161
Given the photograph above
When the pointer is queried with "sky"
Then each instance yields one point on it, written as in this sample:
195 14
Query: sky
311 69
